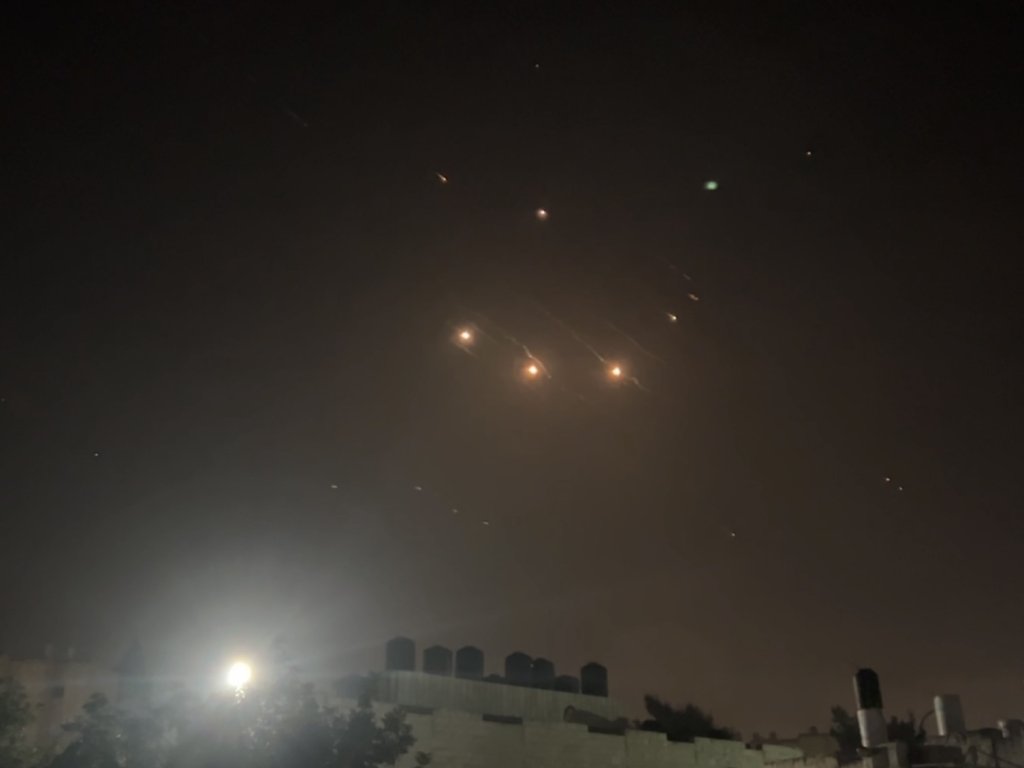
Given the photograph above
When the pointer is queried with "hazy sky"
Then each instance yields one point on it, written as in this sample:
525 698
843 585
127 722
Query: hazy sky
233 409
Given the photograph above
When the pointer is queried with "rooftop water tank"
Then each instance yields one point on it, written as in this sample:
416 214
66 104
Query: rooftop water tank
518 669
594 679
949 714
867 689
400 655
437 660
469 663
543 674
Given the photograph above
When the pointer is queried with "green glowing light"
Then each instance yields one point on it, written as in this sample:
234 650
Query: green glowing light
710 186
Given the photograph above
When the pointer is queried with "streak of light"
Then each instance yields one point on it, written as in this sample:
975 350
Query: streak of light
441 177
672 318
571 331
693 297
505 334
534 369
674 268
295 117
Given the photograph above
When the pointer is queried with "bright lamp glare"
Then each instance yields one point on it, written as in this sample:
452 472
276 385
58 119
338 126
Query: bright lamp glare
239 675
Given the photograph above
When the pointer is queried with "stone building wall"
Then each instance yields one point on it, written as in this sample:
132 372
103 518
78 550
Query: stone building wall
459 739
418 689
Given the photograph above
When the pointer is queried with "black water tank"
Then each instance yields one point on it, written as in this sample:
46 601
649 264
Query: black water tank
594 680
437 660
469 663
867 689
518 669
400 654
543 674
567 684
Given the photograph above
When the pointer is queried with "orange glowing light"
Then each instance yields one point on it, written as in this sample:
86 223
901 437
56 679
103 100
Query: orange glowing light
532 370
615 371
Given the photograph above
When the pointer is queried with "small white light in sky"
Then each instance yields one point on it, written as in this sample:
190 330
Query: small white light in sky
711 185
239 675
888 479
465 336
672 318
542 214
486 522
441 177
96 454
334 486
693 297
417 487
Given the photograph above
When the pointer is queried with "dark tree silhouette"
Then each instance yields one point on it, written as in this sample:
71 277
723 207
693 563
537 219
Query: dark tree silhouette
104 736
684 724
280 726
15 714
908 731
845 730
847 733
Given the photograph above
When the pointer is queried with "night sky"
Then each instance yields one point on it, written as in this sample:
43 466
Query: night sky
239 245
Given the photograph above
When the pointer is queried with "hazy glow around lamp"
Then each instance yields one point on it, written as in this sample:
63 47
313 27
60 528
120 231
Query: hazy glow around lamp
239 675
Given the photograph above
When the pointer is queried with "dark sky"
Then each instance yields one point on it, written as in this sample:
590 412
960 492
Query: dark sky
231 278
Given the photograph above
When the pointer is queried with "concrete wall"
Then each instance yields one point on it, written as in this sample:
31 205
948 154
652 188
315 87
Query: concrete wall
418 689
459 739
774 753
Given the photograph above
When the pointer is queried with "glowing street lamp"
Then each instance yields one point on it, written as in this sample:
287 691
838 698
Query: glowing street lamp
239 675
